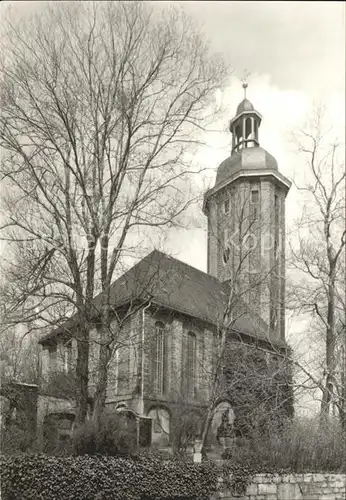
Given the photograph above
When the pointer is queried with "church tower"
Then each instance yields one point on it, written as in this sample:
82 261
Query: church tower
246 221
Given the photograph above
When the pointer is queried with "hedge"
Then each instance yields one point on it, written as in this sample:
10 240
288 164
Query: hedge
42 477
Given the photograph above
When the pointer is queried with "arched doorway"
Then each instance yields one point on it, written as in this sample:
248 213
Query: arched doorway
222 425
57 432
161 425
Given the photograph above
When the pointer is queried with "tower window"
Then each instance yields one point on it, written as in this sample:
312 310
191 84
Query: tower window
273 318
226 206
254 208
276 225
225 255
276 207
226 250
255 289
254 196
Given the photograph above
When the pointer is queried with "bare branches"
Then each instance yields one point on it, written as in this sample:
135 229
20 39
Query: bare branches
100 105
317 254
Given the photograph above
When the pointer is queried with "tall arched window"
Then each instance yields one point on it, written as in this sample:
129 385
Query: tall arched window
248 131
159 358
191 375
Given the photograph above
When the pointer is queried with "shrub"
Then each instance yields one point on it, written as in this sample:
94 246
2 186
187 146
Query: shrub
15 439
111 435
184 428
32 477
299 446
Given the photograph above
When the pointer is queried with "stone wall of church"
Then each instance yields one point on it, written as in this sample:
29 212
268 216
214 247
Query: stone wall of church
291 487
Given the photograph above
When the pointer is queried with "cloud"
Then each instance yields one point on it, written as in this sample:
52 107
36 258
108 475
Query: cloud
300 44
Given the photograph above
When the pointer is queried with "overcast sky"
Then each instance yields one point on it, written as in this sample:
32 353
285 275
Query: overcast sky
299 44
295 53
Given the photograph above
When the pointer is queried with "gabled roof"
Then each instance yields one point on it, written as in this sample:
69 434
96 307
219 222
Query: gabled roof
172 284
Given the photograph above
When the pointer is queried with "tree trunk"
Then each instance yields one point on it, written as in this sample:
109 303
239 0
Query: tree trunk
104 359
209 419
342 399
330 345
101 390
82 375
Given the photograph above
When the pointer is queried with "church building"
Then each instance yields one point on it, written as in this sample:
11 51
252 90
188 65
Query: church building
166 356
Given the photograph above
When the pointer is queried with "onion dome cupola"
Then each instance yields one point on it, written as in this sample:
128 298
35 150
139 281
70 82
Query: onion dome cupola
244 126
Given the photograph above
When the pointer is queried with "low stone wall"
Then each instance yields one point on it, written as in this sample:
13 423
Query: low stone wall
292 487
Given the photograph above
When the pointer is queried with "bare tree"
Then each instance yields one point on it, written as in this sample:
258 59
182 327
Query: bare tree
19 356
101 103
318 253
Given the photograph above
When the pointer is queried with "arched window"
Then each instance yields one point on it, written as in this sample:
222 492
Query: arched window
248 130
225 255
68 356
238 135
256 130
159 358
226 250
191 375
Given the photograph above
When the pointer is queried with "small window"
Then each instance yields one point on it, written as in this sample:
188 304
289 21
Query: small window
226 206
68 356
52 358
276 249
276 206
273 320
254 196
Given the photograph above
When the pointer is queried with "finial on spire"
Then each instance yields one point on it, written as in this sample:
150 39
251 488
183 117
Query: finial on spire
244 80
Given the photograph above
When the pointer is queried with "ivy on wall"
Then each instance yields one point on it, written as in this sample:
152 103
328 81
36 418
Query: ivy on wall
33 477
